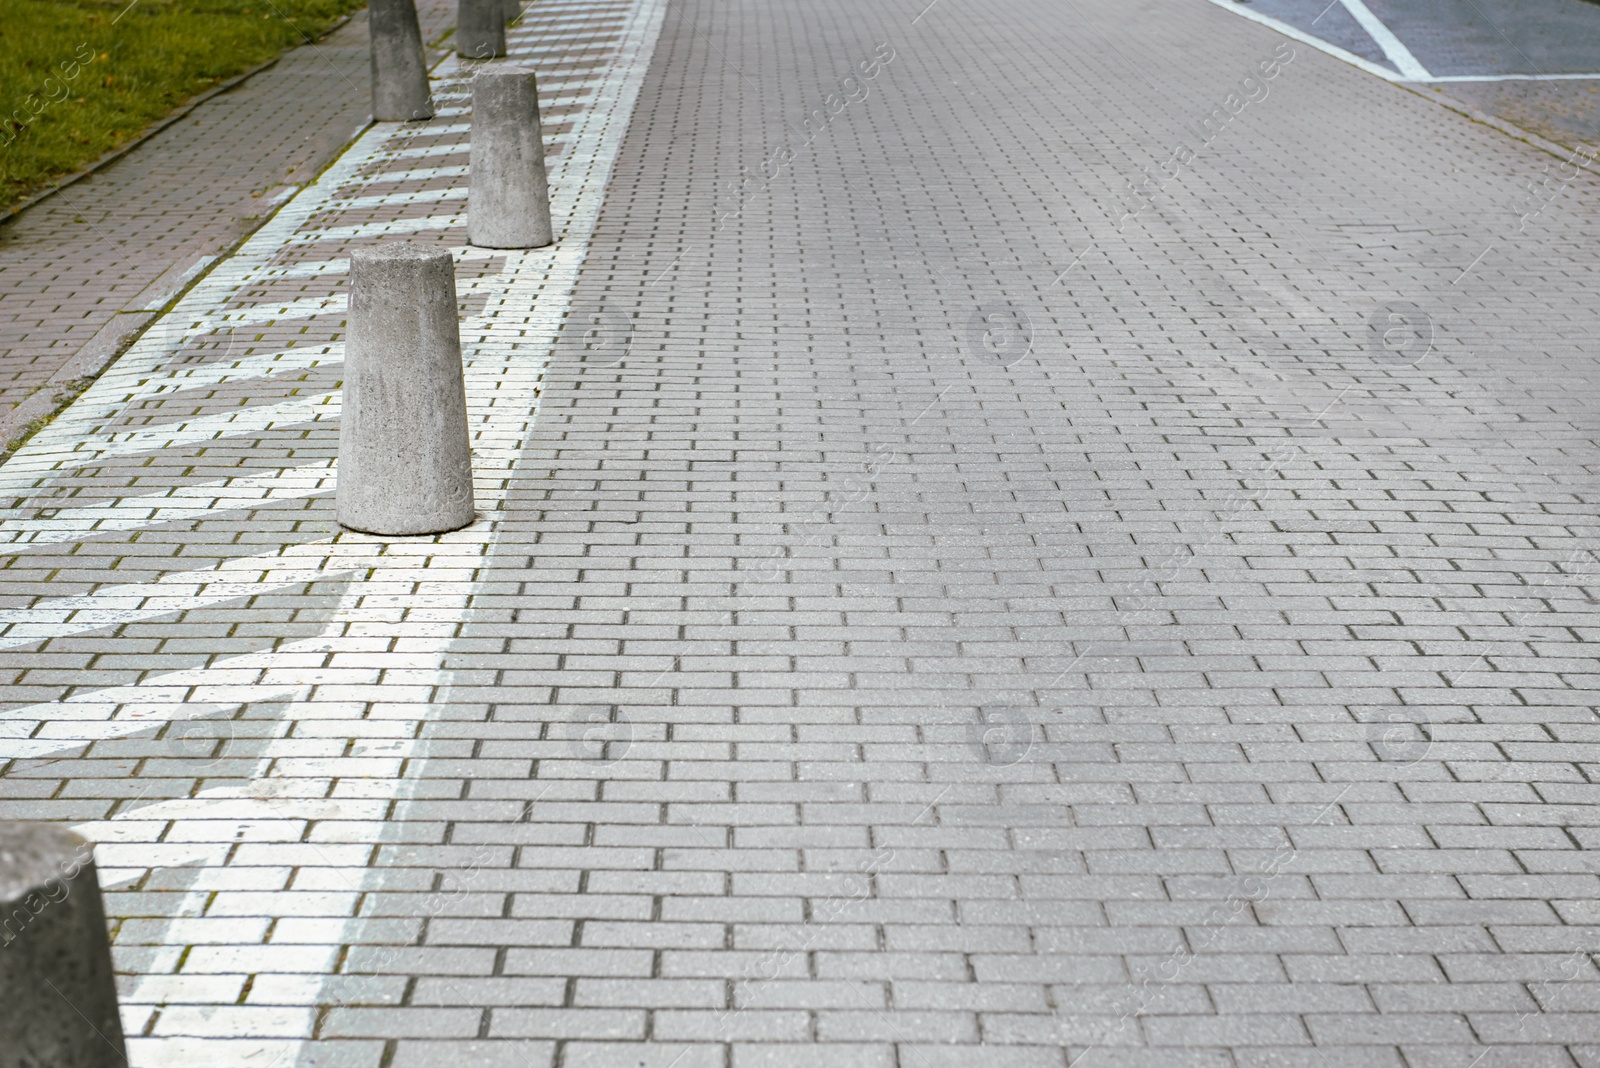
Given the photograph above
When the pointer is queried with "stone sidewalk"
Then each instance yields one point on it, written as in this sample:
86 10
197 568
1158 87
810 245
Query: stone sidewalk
1012 535
83 271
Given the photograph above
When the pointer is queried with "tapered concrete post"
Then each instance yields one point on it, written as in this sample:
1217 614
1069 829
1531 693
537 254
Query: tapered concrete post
481 28
513 11
405 464
58 1000
508 199
399 71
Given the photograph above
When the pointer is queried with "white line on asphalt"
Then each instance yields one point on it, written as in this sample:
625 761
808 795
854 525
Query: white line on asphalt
1514 77
1392 46
1308 39
1295 34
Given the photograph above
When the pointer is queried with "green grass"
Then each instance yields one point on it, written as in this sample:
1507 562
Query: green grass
80 77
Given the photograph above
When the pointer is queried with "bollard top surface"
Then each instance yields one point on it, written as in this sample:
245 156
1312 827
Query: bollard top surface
31 853
400 252
502 72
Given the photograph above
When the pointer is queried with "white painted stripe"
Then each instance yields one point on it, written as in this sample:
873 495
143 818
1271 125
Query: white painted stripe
304 308
254 259
119 711
307 269
341 266
439 131
61 441
379 229
425 196
1393 47
201 501
422 151
1513 77
423 174
182 591
545 55
1318 43
398 618
554 100
24 470
1232 7
137 383
259 419
590 17
262 365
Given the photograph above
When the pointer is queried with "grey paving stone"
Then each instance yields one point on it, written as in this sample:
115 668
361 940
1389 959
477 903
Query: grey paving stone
807 541
414 1053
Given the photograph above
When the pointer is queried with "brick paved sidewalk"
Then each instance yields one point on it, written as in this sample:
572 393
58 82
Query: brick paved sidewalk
83 271
1072 546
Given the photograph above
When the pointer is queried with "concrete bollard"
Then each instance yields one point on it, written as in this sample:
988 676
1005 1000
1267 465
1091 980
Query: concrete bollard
58 999
405 461
508 200
399 71
513 11
481 28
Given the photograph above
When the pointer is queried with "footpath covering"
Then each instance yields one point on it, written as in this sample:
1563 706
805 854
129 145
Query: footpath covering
1027 568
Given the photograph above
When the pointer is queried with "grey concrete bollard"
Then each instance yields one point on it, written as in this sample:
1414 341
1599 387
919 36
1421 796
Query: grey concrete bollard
58 998
405 459
508 199
481 28
399 71
513 11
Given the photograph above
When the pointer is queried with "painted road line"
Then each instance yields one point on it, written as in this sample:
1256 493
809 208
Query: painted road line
1513 77
1393 48
1295 34
1318 43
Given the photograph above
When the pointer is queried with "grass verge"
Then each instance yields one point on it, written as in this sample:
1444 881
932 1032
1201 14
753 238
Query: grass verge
80 77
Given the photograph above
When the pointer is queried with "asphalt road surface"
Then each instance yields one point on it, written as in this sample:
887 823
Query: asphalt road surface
1534 63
